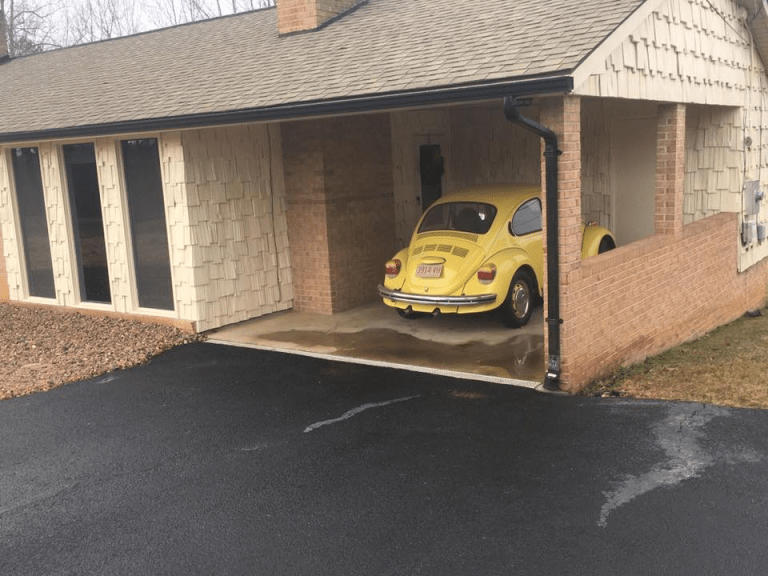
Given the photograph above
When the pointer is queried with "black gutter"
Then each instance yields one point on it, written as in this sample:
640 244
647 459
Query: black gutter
521 87
551 153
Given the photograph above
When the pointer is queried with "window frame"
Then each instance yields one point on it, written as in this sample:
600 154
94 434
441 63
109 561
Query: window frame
72 248
523 205
18 237
128 231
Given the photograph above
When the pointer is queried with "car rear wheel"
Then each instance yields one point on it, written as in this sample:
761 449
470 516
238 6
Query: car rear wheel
518 306
606 244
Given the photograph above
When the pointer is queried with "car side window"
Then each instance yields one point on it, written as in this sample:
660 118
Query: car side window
527 219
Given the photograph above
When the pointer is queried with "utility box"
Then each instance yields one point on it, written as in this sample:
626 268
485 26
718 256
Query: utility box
761 231
748 233
753 195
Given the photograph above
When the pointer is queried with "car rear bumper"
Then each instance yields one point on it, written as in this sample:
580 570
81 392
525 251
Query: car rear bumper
397 296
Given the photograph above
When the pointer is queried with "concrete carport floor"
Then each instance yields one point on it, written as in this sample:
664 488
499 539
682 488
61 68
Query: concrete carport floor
475 346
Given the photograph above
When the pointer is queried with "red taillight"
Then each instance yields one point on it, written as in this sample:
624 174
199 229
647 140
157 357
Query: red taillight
392 268
486 274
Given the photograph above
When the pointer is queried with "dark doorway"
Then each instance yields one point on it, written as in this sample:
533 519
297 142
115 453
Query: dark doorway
431 163
87 222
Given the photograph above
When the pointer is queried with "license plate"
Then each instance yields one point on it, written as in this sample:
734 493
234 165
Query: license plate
429 270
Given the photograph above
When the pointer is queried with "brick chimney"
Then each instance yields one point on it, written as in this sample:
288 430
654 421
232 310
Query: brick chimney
3 38
301 15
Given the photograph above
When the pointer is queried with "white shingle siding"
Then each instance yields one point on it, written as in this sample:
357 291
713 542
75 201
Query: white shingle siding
59 223
114 214
230 246
682 52
699 52
11 246
225 212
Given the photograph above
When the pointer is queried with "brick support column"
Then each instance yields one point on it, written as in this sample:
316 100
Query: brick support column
563 116
338 181
670 168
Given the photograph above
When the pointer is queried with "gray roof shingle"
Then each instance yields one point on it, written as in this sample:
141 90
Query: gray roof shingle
240 62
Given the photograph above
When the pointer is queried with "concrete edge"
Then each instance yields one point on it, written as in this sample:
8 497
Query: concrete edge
529 384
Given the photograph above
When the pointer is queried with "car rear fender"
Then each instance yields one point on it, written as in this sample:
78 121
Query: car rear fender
397 282
590 245
507 262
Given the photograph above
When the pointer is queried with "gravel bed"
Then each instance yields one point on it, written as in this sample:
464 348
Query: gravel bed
42 348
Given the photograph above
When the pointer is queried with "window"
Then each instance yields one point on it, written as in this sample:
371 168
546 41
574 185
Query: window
149 236
34 224
527 219
472 217
87 223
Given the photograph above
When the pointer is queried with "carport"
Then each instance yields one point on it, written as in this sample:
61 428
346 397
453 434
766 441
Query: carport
355 188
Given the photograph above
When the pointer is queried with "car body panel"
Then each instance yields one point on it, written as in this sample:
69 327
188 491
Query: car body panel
461 254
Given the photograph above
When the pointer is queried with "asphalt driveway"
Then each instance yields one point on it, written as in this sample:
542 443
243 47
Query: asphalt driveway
215 460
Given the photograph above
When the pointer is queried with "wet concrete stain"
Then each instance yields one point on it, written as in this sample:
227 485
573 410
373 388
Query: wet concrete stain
521 356
680 435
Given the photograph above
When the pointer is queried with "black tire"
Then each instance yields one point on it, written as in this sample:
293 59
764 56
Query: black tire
522 296
606 244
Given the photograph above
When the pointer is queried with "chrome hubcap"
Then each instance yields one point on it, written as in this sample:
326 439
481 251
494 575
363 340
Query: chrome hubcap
521 299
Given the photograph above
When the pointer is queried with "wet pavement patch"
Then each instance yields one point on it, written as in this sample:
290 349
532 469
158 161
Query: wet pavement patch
521 356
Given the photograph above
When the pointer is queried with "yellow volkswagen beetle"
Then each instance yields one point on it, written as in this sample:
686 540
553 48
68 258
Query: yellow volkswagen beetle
476 251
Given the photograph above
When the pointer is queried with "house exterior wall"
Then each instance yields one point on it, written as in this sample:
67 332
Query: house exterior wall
4 292
10 275
234 235
225 214
698 52
339 185
478 144
714 161
114 216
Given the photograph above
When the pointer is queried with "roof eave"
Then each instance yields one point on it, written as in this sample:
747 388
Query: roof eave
559 83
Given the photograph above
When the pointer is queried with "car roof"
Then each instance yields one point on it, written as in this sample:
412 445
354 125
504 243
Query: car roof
504 197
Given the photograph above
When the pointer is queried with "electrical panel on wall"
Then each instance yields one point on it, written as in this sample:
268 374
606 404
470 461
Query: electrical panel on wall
753 195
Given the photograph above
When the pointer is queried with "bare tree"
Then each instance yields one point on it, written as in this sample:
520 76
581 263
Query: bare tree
30 25
92 20
37 25
171 12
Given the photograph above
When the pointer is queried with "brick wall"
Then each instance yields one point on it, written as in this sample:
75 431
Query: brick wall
340 209
298 15
563 116
360 209
304 165
641 299
670 169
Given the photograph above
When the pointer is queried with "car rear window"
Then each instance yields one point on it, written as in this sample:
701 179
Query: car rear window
472 217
